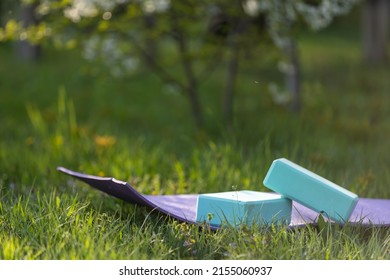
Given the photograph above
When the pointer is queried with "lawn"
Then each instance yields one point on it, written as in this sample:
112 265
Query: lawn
58 111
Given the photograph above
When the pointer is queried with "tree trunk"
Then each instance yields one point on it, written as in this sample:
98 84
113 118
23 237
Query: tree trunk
293 79
25 49
375 30
195 106
151 43
191 84
231 76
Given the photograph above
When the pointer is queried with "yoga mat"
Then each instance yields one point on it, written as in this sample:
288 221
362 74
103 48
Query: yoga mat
368 211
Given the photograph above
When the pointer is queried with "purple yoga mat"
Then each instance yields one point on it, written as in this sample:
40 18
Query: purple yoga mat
368 211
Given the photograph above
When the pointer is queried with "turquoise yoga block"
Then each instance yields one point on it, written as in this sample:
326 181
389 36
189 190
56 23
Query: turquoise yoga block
243 207
310 190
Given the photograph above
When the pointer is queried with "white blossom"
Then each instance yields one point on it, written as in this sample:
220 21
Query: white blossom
251 7
281 14
91 48
80 9
155 6
89 8
112 52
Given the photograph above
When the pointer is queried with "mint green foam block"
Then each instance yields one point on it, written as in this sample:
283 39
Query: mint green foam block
243 207
310 190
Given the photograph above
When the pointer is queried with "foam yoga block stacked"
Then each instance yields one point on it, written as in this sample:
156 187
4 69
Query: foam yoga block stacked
311 190
243 207
290 182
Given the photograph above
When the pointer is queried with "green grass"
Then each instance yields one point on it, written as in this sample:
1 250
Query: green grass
53 114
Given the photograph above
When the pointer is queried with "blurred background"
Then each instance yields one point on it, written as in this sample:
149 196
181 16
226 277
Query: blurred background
193 95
